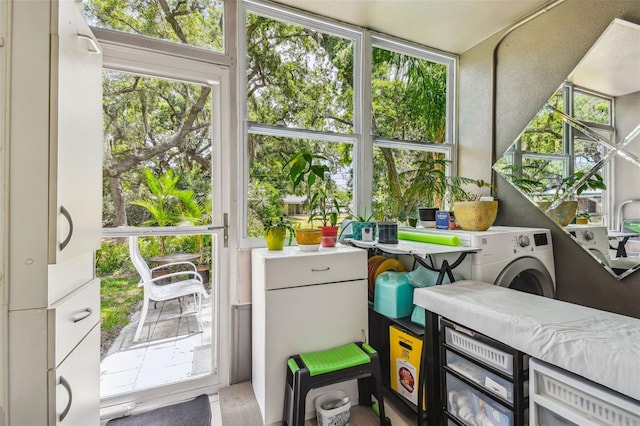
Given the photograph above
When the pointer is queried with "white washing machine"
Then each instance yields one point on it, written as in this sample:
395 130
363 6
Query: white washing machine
513 257
596 240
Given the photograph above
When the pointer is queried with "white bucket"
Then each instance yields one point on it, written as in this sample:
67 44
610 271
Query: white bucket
332 417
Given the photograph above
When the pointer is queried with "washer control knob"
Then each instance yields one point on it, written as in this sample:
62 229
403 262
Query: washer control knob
523 241
587 235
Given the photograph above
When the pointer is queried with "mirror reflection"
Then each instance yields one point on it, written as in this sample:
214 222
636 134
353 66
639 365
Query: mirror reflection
577 156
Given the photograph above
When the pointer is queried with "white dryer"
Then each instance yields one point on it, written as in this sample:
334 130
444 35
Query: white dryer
513 257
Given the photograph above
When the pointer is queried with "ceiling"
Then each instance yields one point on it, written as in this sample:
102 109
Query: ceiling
612 66
453 26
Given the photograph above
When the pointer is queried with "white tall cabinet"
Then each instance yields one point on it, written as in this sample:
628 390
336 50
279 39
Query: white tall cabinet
303 302
55 162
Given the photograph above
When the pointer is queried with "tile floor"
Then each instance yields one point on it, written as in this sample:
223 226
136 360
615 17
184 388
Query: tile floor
171 348
360 416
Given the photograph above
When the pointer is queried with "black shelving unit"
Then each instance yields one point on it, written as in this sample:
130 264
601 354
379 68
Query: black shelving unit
379 339
481 377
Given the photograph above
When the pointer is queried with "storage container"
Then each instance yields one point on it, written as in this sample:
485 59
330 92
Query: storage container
479 350
483 377
405 349
393 295
473 407
559 397
338 416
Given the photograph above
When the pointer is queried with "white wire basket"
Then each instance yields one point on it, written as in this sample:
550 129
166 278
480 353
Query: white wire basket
588 405
481 351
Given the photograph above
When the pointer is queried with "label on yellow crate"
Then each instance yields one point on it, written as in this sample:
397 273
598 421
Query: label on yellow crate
405 349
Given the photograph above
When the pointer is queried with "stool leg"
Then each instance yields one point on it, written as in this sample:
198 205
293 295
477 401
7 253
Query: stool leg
289 398
301 389
375 369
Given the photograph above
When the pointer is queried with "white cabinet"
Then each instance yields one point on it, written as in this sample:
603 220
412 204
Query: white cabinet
74 384
303 302
55 145
47 344
54 214
75 136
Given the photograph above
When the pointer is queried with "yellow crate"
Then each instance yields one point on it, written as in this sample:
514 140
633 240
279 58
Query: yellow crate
405 349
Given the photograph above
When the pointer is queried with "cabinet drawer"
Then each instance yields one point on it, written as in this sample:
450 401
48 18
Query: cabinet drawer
480 348
325 266
491 382
574 399
71 319
472 407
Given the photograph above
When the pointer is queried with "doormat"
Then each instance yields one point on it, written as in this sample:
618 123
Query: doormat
196 412
238 405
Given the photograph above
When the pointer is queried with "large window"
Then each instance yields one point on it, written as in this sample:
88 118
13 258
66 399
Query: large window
194 22
309 89
410 104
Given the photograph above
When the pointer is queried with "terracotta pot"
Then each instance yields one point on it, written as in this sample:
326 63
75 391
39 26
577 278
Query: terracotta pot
475 215
329 236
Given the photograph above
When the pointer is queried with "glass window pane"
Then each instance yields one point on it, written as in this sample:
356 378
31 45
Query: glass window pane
298 77
271 193
548 172
157 151
409 97
404 180
193 22
591 108
544 134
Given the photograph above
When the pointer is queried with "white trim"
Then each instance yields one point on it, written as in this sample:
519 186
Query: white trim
119 38
139 60
5 95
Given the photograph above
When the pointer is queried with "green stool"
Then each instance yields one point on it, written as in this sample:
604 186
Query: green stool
316 369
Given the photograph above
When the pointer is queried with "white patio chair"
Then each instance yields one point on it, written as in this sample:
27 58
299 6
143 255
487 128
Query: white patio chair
154 292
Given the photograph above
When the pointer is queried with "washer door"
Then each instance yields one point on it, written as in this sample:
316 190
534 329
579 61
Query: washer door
527 274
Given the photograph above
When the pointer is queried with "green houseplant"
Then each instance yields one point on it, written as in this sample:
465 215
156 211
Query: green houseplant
562 210
307 167
275 232
431 188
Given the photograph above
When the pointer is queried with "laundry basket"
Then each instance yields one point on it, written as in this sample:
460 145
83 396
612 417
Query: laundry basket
338 416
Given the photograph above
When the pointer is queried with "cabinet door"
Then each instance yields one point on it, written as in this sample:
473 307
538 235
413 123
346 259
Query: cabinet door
75 136
75 385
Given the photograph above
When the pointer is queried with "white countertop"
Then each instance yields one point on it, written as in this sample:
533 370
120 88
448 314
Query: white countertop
600 346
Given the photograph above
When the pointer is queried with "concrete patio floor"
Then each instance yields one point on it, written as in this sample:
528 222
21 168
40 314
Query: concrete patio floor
171 349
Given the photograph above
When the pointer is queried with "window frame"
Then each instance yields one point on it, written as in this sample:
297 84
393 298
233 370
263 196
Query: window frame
567 157
361 138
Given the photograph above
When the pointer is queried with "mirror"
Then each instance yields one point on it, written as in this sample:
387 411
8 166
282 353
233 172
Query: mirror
576 157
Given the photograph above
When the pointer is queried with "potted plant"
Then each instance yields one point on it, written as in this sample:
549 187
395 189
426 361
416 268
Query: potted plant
307 167
327 216
583 218
561 210
472 213
431 185
358 223
275 232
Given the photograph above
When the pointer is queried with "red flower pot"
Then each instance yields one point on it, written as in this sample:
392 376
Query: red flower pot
329 236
